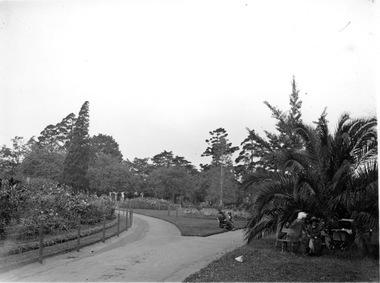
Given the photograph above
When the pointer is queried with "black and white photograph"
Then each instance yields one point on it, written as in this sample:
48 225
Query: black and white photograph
189 140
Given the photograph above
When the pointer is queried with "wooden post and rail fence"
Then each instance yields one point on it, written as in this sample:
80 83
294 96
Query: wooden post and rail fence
113 229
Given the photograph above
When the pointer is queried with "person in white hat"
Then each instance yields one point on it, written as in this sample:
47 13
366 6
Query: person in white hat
297 228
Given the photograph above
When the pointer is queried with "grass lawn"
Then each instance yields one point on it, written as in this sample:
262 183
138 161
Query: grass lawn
264 263
189 226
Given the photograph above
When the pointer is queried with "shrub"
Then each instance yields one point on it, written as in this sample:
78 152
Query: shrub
146 203
58 208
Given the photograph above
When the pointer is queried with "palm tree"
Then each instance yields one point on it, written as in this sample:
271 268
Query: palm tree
332 177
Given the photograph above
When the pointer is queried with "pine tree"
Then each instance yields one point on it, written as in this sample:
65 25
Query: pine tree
221 150
257 152
77 160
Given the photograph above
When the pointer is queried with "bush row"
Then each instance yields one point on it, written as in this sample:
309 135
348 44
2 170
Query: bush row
188 210
147 203
56 206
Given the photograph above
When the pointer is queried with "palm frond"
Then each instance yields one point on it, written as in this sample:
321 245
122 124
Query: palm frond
266 225
365 172
259 177
283 189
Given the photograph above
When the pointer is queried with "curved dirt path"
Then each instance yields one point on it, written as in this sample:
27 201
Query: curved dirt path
152 250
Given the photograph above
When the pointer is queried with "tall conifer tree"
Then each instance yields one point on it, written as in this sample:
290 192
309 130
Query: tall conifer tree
221 150
257 151
78 156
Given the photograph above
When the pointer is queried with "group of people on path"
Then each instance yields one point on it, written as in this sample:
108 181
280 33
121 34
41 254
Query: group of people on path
311 233
226 219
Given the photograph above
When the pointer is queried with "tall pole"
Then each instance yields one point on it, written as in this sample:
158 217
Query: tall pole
221 185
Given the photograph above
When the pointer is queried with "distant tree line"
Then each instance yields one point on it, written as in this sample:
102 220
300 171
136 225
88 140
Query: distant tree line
65 153
331 175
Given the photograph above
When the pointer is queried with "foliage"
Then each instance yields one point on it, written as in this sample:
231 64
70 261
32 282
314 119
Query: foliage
171 182
221 150
167 159
108 174
12 201
201 183
146 181
56 138
163 159
146 203
257 152
213 190
140 168
77 160
104 144
58 207
11 158
332 177
42 163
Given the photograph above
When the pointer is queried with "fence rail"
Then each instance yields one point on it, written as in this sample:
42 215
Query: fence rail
18 249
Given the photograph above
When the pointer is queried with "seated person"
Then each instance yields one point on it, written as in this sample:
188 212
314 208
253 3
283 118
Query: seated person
313 237
229 218
325 235
223 220
221 217
297 228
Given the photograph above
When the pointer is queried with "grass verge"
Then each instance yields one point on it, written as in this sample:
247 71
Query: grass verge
190 226
262 262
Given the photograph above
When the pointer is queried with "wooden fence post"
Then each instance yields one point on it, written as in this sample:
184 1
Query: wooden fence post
118 223
176 211
168 210
131 217
126 220
104 228
41 236
78 238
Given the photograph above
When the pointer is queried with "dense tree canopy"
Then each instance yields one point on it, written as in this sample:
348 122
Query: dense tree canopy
171 182
167 159
214 195
108 174
104 144
56 138
42 163
77 160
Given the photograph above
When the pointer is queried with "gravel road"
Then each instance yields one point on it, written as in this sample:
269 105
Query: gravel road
151 250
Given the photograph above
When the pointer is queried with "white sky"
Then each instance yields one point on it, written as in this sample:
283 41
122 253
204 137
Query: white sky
159 75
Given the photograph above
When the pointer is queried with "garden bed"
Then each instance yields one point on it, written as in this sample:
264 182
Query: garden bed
17 260
12 246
